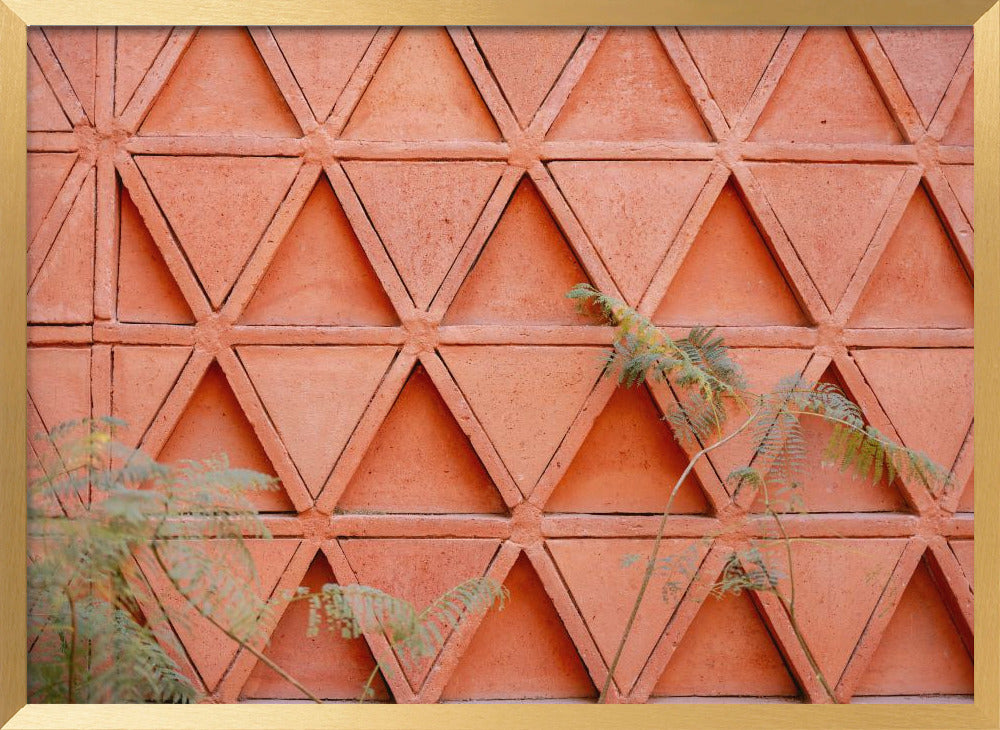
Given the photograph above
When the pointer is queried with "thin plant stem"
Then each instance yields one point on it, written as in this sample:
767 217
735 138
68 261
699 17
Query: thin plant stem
71 669
651 564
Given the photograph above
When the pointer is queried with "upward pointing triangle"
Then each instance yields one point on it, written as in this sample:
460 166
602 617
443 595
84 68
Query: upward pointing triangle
221 86
147 291
141 378
219 207
331 666
135 51
422 91
523 652
430 214
826 95
315 396
830 212
603 603
919 281
320 274
553 381
921 651
631 211
630 91
726 632
729 276
46 174
732 61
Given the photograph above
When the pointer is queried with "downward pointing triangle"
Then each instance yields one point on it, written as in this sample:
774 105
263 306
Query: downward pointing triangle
430 214
330 666
419 571
525 398
210 650
135 51
76 50
45 113
631 211
219 207
830 213
603 603
315 396
839 579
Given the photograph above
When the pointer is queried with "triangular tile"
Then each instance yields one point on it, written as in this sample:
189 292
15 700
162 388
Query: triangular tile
315 397
142 376
604 603
628 464
320 274
135 51
523 272
726 652
76 49
960 130
59 383
213 423
824 487
525 397
630 91
729 277
420 461
526 62
631 211
214 200
147 291
763 369
419 571
46 174
63 290
840 579
919 281
927 395
45 113
221 86
965 552
424 223
960 178
968 499
422 91
921 652
322 60
522 652
925 60
328 665
830 212
732 61
209 649
826 95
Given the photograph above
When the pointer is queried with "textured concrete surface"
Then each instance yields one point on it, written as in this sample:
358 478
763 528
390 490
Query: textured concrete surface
339 256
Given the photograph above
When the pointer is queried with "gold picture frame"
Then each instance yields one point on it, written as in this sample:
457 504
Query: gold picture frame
15 15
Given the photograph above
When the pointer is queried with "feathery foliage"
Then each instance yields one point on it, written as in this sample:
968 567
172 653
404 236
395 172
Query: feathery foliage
711 392
98 632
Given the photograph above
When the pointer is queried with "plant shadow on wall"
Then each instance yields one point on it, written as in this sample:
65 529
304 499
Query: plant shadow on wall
97 629
713 407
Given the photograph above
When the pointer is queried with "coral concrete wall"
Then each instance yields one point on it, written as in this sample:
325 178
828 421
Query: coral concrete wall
339 256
